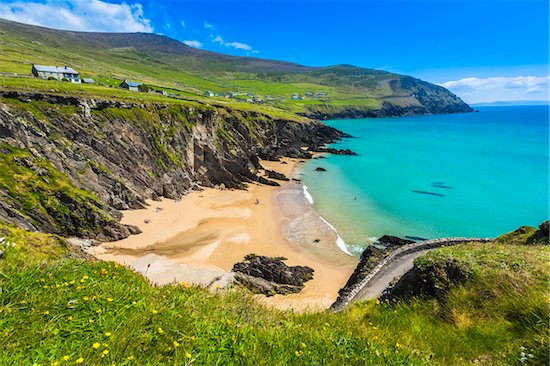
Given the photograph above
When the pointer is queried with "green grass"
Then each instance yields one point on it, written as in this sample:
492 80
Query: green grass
54 305
491 318
103 313
184 75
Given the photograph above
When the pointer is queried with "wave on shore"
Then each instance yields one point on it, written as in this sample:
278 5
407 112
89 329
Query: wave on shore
339 241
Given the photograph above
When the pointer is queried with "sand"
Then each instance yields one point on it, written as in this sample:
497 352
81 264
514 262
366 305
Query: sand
199 238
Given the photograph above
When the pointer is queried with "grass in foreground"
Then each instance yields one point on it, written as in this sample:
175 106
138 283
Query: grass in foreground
64 311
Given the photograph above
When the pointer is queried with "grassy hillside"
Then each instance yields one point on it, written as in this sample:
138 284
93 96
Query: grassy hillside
57 309
181 70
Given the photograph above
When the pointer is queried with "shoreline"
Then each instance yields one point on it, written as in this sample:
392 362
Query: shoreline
199 238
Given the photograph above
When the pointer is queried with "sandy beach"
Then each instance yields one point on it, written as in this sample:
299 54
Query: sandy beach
199 238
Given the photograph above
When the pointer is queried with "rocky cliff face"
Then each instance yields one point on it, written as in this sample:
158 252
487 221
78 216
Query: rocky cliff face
72 163
410 97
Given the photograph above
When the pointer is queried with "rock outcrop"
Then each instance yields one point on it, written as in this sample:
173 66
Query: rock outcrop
107 155
270 276
276 175
334 151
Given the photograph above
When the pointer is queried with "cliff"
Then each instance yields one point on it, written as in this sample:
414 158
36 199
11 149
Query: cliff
70 163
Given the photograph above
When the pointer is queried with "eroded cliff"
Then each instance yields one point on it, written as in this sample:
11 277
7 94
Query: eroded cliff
71 163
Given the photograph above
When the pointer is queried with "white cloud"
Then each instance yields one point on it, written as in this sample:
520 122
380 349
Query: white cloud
79 15
474 89
182 24
208 25
239 46
195 44
235 45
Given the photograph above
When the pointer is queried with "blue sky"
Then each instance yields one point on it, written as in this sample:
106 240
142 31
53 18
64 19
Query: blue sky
481 50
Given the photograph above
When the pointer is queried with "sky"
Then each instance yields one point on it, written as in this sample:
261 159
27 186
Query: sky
483 51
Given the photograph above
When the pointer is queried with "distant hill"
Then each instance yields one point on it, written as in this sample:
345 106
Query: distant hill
322 92
512 103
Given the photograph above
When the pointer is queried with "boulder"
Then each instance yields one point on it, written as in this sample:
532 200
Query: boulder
544 228
271 276
320 169
275 175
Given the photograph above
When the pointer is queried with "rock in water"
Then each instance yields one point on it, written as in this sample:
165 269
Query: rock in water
389 240
270 276
320 169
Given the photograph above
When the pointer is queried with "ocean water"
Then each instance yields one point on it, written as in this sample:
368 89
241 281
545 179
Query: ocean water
473 174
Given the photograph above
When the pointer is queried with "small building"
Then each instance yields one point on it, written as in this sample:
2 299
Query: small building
88 81
159 92
296 97
208 93
130 85
64 73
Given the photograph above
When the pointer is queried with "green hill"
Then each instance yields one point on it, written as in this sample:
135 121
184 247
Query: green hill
342 90
58 309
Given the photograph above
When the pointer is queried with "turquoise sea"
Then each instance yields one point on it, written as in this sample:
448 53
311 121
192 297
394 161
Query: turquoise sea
473 174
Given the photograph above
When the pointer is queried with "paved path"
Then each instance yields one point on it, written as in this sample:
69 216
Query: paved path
382 280
399 262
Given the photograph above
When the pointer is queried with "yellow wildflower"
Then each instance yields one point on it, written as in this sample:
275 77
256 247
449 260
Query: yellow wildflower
55 363
186 285
130 358
46 312
188 355
154 311
66 358
176 344
160 330
96 345
105 352
107 334
109 299
85 298
80 360
133 302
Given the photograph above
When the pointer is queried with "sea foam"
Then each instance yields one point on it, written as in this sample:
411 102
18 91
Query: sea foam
307 194
339 241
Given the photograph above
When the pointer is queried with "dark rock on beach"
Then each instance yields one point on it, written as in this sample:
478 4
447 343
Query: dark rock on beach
270 276
275 175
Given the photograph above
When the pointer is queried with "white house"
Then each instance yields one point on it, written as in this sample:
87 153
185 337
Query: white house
64 73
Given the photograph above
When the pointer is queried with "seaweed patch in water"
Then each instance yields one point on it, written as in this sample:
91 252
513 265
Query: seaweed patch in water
429 193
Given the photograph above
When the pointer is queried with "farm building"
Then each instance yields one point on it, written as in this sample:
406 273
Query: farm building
64 73
130 85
